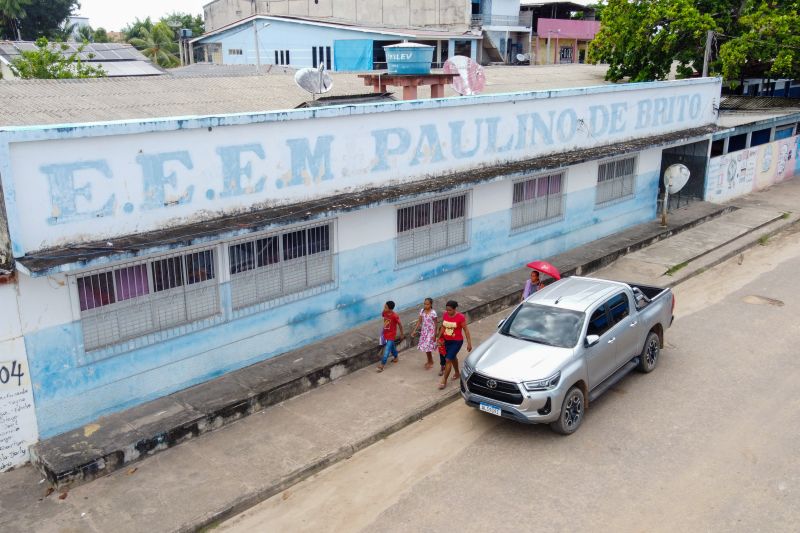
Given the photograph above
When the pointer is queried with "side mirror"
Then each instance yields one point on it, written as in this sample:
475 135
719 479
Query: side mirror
500 324
591 340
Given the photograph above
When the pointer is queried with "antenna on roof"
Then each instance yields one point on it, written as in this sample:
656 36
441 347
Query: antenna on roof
314 80
471 78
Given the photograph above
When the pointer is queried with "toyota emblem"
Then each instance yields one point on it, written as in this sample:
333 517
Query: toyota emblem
492 384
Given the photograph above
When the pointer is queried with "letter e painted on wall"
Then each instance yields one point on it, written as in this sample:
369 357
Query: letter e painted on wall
156 179
233 171
68 202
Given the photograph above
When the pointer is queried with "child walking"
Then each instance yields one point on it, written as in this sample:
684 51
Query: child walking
453 330
426 324
391 322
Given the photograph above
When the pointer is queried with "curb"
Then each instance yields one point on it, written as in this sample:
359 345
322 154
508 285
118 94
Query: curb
736 251
345 452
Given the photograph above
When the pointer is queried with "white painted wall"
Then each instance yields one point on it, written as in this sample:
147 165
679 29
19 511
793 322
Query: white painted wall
98 182
18 428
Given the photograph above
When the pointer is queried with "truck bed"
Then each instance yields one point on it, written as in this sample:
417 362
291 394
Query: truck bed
645 294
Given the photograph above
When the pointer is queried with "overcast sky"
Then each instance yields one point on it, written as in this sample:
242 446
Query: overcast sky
115 15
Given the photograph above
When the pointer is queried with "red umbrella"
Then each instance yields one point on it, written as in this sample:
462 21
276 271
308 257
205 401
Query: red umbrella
545 268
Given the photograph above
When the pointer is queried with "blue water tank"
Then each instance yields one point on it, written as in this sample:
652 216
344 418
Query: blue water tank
409 58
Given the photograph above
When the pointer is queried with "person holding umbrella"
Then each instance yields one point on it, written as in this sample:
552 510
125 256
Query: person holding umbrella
534 283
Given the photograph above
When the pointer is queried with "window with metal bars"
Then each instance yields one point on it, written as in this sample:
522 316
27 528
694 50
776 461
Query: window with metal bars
134 300
616 180
273 266
537 200
426 229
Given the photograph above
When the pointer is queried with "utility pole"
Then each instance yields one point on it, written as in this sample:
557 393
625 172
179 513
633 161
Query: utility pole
707 55
258 48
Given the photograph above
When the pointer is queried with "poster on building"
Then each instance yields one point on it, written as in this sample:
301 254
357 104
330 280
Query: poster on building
731 175
752 169
17 418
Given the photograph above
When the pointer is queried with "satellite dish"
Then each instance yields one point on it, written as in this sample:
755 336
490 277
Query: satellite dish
314 80
676 177
471 78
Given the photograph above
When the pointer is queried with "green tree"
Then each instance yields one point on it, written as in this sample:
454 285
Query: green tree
46 18
51 61
768 44
178 21
85 33
136 29
640 40
11 12
159 45
101 35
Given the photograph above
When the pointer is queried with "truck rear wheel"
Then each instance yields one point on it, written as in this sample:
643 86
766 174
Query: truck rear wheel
649 356
572 411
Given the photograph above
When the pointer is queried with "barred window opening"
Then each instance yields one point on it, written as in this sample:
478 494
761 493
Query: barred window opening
537 200
279 265
615 180
130 301
428 228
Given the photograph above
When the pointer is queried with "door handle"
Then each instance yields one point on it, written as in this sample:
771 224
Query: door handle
611 340
633 325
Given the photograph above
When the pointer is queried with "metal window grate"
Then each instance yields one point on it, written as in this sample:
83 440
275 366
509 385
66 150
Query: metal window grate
425 229
616 180
537 200
134 300
273 266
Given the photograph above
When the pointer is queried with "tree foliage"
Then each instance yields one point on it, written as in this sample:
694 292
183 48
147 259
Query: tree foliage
640 40
11 13
178 21
51 61
101 36
44 18
768 43
158 44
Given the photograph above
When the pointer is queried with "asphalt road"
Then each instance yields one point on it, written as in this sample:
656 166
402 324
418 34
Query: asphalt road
708 442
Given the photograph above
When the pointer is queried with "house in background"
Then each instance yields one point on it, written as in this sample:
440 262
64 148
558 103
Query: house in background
563 30
506 30
303 42
117 59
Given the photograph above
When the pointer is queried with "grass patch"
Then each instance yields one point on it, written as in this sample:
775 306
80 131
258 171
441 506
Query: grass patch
763 240
785 215
675 268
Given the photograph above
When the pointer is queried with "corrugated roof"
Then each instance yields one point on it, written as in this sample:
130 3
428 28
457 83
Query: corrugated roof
39 102
757 103
216 70
395 31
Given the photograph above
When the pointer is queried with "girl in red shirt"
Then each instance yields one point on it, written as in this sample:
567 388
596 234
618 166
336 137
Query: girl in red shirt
453 330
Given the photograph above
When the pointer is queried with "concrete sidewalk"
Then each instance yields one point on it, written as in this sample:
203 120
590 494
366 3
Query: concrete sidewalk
218 474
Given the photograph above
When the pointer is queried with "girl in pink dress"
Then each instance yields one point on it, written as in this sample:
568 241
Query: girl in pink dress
426 324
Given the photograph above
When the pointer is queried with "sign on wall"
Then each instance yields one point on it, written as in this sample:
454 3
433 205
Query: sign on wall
744 171
18 428
126 179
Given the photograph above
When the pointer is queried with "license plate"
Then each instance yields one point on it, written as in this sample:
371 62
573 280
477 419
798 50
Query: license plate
491 409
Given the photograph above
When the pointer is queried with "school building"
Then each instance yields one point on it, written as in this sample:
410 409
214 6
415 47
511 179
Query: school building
142 256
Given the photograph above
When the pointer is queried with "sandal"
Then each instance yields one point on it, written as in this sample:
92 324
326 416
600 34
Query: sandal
380 368
442 385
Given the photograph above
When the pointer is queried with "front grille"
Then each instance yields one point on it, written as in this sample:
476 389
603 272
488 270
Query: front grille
505 391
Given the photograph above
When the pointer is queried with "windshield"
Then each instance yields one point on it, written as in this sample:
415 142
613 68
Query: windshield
544 325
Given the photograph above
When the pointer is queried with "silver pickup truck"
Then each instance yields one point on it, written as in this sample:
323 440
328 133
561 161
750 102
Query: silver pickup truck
564 346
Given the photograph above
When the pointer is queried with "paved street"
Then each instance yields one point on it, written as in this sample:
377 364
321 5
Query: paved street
708 442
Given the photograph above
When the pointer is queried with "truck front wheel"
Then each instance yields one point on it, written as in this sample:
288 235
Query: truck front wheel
649 356
572 411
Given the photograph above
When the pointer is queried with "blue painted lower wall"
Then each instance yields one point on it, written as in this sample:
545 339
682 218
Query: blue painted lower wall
68 395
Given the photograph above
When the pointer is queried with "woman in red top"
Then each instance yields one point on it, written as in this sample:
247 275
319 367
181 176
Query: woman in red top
453 330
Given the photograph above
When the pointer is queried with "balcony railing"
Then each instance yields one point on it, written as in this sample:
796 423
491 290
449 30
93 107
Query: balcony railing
524 20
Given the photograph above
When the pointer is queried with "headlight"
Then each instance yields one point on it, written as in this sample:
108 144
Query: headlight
468 368
543 384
